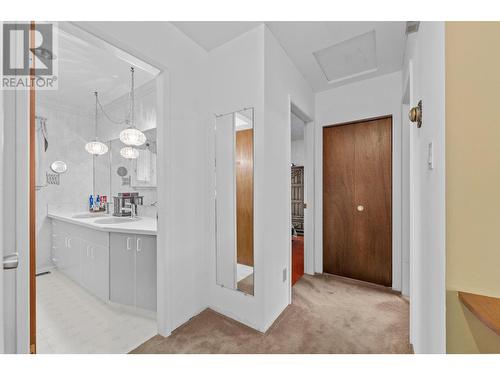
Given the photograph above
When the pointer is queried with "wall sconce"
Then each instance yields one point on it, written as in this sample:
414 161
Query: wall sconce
415 114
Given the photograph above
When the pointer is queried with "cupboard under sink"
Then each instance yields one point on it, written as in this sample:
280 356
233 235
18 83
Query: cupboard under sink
114 267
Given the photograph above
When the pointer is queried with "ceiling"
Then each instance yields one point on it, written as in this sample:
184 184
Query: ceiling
209 34
351 57
84 68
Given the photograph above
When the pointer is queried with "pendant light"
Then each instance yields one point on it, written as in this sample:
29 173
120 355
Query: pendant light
129 152
132 136
95 147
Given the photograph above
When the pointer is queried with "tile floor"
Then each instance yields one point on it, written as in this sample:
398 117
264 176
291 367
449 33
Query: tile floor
70 320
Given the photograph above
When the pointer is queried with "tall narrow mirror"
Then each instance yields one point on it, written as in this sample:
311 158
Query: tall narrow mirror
234 196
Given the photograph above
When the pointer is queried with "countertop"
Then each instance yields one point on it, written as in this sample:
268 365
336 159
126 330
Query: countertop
146 225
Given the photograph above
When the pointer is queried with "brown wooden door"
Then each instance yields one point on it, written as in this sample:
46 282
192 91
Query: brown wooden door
244 196
357 200
298 199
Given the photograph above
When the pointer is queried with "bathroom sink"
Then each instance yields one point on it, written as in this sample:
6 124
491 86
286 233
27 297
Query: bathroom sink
88 215
116 220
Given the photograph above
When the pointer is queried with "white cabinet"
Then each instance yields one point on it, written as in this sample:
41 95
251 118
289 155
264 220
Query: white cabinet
122 268
82 254
66 250
112 266
95 269
133 270
145 272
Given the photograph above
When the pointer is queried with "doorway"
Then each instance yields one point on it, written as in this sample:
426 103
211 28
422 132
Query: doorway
298 187
87 280
357 200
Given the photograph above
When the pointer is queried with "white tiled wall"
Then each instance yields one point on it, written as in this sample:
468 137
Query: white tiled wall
68 131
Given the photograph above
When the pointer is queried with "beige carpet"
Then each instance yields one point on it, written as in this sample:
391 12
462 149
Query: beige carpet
328 315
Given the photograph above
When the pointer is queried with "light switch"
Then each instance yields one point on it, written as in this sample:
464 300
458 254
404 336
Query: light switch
430 156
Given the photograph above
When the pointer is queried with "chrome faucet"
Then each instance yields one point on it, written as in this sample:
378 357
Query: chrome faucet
132 207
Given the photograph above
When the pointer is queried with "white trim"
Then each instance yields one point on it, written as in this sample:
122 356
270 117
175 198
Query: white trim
22 220
308 190
345 78
2 158
309 179
164 197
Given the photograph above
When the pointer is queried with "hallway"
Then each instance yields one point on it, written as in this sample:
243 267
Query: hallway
328 315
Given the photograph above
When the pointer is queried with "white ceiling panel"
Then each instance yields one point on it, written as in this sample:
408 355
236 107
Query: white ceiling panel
350 58
302 39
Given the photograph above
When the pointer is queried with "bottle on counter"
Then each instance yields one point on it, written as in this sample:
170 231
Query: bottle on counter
97 204
91 203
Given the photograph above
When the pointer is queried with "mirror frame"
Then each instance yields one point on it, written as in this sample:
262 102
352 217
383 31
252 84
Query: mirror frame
233 116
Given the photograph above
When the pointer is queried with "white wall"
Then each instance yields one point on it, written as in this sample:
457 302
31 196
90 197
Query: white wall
254 71
181 243
283 84
237 82
68 131
298 152
357 101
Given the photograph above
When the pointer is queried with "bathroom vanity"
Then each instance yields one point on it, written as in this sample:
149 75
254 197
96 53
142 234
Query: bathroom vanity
112 258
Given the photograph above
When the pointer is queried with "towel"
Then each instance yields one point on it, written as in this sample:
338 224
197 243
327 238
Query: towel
144 166
41 147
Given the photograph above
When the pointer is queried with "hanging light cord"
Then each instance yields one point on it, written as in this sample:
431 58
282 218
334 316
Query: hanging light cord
129 118
132 95
118 122
96 102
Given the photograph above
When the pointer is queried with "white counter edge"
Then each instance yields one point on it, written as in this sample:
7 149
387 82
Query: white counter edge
115 228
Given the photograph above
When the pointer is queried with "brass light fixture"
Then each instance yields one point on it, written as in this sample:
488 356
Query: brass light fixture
415 114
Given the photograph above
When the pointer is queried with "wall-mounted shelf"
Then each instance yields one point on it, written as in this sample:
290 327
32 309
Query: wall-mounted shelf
486 309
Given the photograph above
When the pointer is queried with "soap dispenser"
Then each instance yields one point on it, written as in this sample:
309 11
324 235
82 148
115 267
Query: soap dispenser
97 204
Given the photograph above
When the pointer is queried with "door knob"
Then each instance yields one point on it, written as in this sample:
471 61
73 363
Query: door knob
11 261
360 208
415 114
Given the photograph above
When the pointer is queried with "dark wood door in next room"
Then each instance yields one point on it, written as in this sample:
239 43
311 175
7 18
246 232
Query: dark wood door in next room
357 200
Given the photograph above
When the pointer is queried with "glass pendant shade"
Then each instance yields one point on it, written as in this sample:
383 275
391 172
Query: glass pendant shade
132 137
96 148
129 153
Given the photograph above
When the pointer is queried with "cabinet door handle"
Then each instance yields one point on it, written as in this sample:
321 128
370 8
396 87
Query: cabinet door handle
128 243
88 250
69 243
138 242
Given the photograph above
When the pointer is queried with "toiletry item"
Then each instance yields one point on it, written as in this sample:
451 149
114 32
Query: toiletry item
97 203
91 203
104 200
